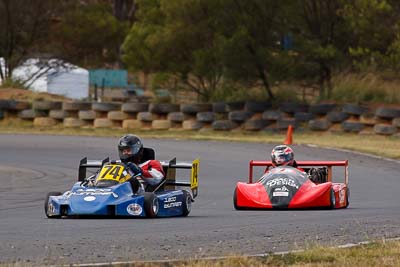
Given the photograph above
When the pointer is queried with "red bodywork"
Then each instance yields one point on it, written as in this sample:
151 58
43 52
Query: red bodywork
309 194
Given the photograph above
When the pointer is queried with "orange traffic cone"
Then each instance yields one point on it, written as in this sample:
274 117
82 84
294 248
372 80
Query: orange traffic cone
289 135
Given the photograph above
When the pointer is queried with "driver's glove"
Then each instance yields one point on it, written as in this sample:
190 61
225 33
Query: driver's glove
134 168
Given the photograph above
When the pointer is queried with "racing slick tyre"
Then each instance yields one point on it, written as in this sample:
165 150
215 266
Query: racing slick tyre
332 199
187 203
151 205
46 204
347 197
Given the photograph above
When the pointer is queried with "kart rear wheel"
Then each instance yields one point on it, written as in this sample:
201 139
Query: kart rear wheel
332 199
187 203
46 204
151 205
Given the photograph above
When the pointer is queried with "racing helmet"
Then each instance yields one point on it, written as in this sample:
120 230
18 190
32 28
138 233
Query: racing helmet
130 148
282 155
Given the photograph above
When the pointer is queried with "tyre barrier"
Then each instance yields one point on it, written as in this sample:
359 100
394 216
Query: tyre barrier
58 114
193 109
205 117
283 124
102 123
256 125
257 106
192 125
368 119
44 122
134 107
385 129
352 109
163 108
387 113
105 107
224 125
272 115
239 116
291 108
247 116
30 114
131 124
352 126
303 116
322 109
176 116
145 116
219 107
76 106
234 106
337 116
46 105
118 116
161 124
319 125
87 115
396 122
73 123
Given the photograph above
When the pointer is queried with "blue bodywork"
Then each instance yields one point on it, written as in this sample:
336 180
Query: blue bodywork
117 200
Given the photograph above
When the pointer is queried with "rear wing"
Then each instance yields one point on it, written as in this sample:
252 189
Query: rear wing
328 164
86 164
170 168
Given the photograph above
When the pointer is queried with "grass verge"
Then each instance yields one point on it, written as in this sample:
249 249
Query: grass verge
381 253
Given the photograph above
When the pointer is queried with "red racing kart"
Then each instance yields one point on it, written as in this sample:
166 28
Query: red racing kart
287 187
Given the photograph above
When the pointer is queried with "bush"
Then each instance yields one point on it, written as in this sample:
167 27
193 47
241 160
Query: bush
364 88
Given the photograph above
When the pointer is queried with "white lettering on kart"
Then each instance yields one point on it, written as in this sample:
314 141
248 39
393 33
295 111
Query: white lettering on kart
88 192
282 181
281 192
170 203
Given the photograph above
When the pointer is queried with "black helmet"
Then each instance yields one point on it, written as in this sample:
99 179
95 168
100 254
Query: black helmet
130 148
282 155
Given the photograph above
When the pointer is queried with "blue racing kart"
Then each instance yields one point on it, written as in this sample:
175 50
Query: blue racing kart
122 198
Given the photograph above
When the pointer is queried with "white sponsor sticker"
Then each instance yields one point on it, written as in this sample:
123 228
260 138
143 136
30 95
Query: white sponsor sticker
280 194
89 198
134 209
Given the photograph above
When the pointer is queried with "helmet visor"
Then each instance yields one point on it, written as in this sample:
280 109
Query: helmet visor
126 152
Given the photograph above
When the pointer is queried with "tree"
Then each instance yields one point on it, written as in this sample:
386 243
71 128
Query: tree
323 39
24 31
89 34
177 37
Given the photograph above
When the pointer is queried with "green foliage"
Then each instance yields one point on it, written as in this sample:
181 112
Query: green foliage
10 83
91 34
364 88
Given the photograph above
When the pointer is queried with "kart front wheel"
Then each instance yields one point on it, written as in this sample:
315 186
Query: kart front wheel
151 205
48 206
187 203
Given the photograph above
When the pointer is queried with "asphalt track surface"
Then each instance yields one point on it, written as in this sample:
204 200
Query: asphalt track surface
31 166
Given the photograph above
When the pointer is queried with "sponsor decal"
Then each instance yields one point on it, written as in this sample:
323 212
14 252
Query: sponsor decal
134 209
281 192
93 192
89 198
171 202
282 181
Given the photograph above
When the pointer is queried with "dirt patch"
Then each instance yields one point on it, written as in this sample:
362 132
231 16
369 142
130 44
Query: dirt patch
28 95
